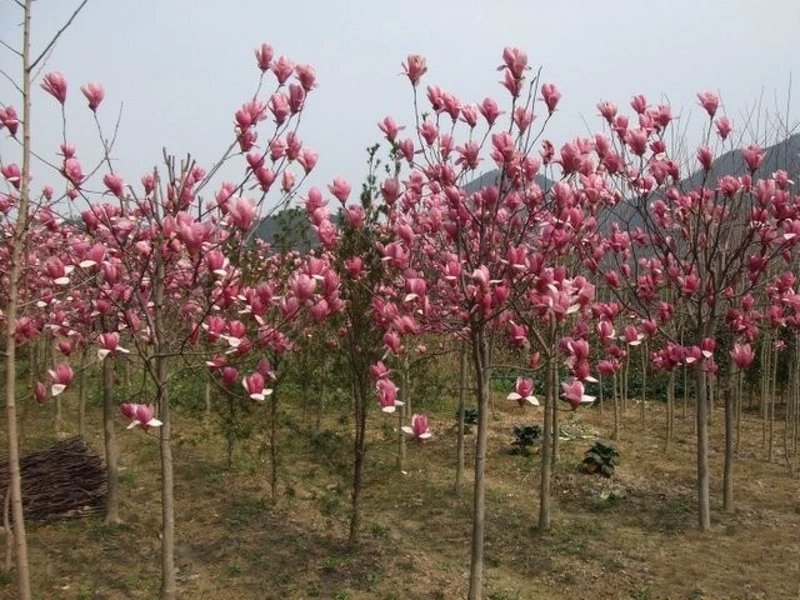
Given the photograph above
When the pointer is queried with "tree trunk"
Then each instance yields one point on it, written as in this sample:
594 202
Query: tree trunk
273 442
731 400
644 380
615 398
82 393
112 470
703 494
480 353
773 385
765 370
554 455
20 231
168 581
670 409
359 455
547 448
403 397
462 394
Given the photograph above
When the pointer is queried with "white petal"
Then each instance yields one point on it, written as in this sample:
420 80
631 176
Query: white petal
388 409
154 423
513 396
407 429
532 400
85 264
61 281
57 388
425 436
102 353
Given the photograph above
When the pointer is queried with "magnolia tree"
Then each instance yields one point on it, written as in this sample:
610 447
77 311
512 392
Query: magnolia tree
17 205
467 260
159 265
694 248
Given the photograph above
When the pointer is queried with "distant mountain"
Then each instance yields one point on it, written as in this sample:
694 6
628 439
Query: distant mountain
784 155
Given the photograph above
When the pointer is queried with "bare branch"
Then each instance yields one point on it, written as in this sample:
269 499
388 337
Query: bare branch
11 80
11 48
44 52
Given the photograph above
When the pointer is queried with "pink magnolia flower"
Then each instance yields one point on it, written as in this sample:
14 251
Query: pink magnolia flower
72 170
340 189
389 128
523 392
420 428
724 127
55 84
516 61
58 271
753 157
254 386
40 392
354 267
414 68
114 183
306 76
379 370
551 96
742 355
94 93
387 395
264 57
109 344
62 376
229 376
242 212
631 336
709 101
573 392
140 415
283 68
9 119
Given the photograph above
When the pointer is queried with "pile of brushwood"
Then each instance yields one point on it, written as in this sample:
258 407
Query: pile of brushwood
63 481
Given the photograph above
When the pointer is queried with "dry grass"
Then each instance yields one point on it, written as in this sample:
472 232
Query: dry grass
631 537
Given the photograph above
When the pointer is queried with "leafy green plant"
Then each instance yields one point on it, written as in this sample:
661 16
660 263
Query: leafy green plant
470 418
525 437
601 459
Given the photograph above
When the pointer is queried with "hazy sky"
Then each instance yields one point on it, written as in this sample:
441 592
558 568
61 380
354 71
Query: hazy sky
181 68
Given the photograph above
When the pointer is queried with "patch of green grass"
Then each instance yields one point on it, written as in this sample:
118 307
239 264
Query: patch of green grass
235 570
127 477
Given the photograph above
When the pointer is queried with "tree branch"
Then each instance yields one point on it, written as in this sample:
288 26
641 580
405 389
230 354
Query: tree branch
44 52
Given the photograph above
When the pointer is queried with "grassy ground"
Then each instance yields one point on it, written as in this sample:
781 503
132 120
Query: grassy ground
630 537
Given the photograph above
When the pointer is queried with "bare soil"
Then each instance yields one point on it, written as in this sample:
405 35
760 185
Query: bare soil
633 536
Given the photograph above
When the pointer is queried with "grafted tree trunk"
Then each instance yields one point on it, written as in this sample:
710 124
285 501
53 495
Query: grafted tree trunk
15 272
551 384
404 397
462 393
703 493
110 442
82 393
732 399
480 354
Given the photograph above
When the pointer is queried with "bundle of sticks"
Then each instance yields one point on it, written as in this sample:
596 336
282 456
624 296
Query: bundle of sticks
62 481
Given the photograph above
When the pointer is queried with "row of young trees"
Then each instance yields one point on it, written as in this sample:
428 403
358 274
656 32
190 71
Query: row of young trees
608 251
